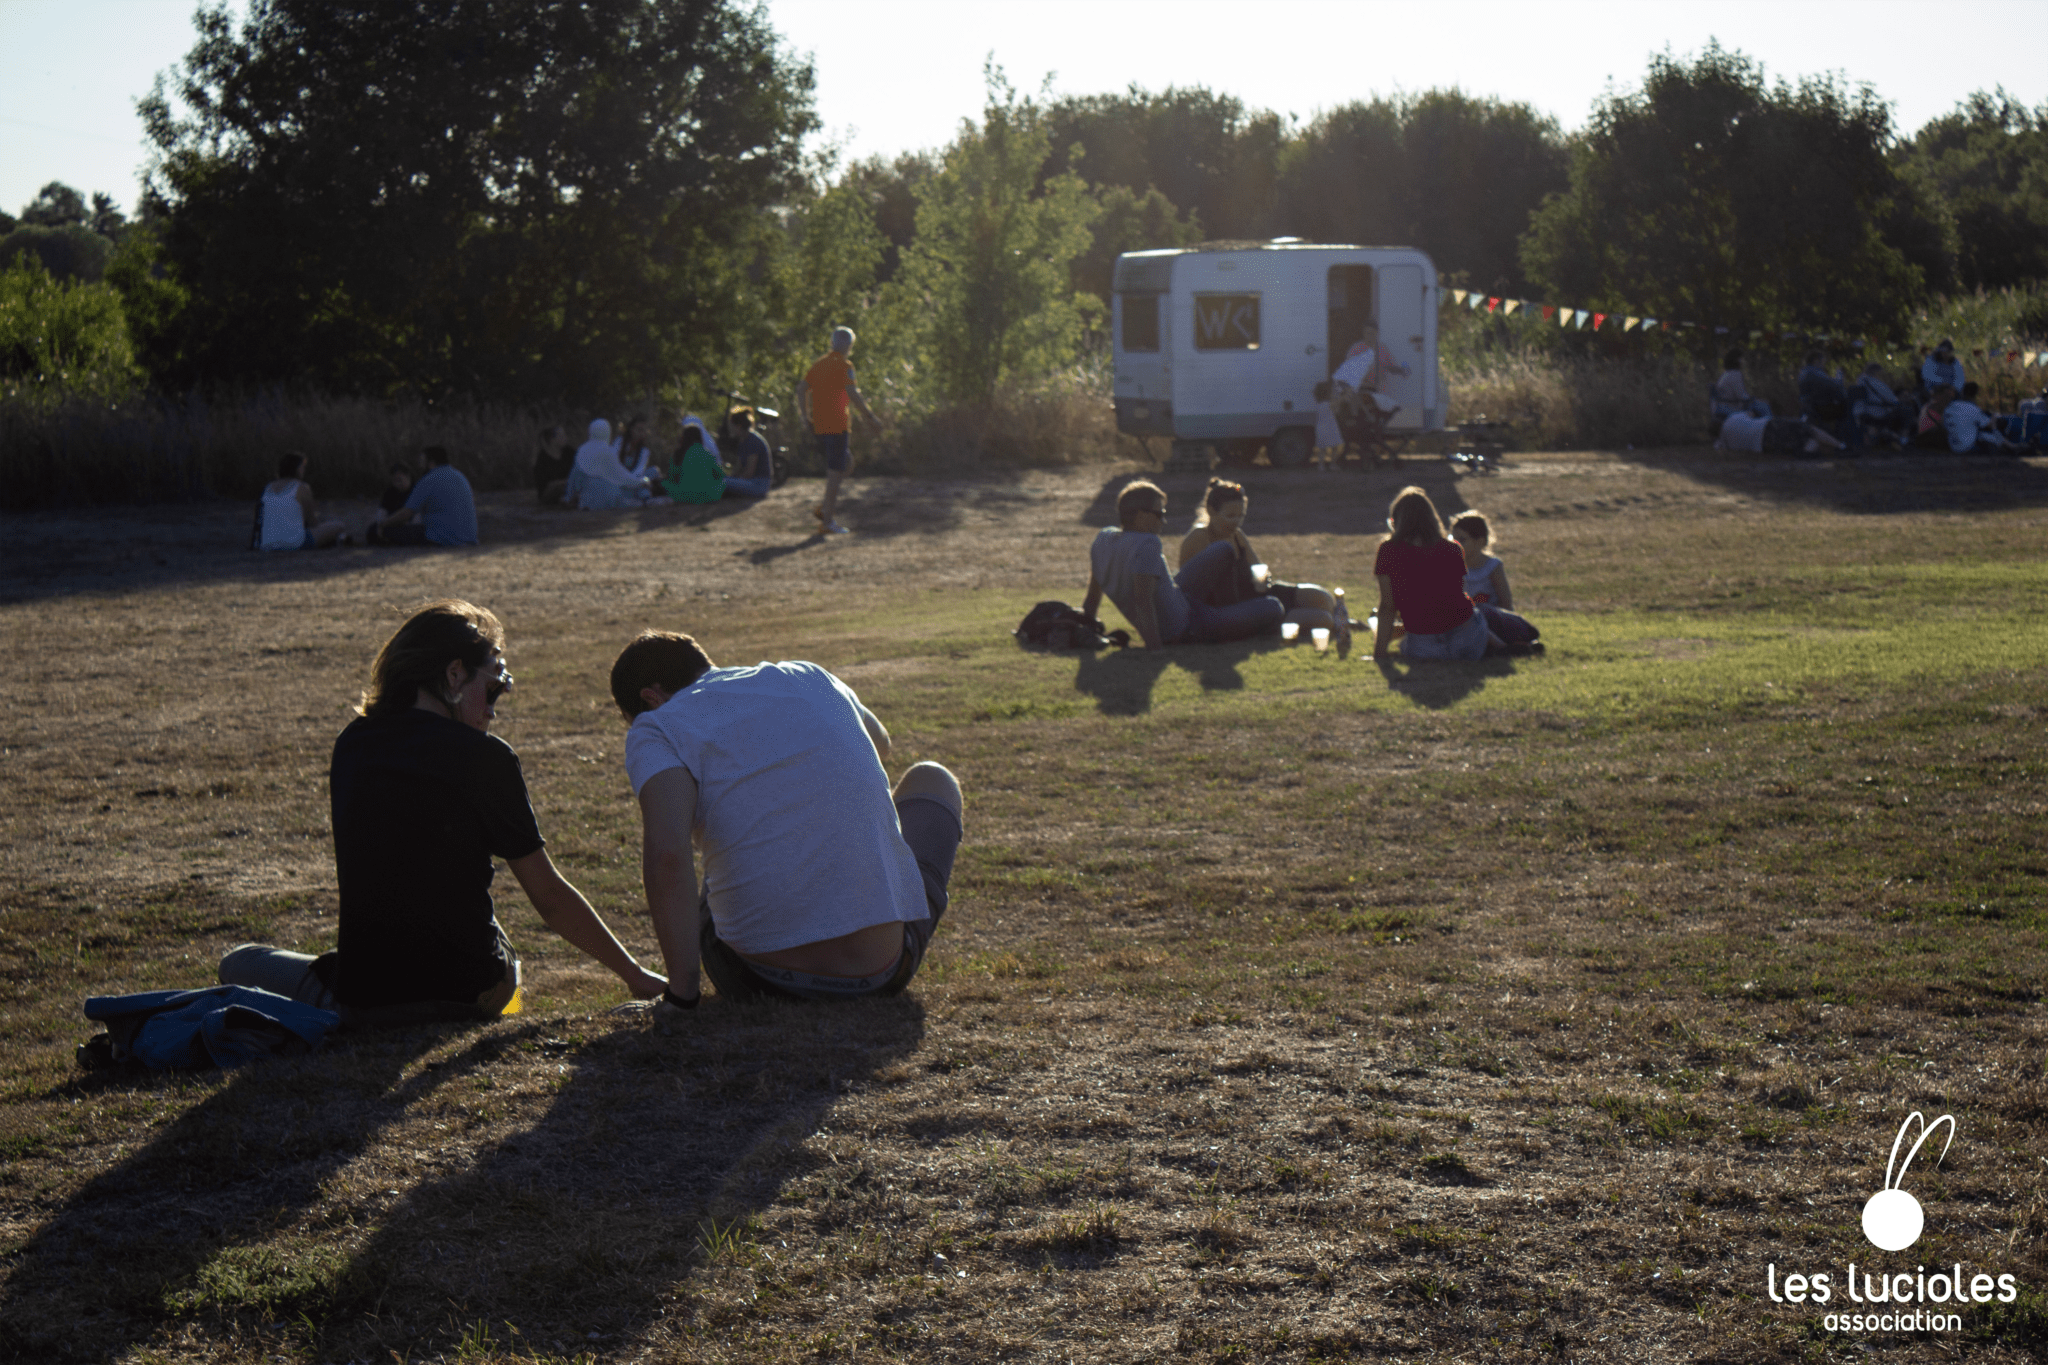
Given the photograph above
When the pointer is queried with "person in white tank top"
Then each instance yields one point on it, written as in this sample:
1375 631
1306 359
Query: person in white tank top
285 516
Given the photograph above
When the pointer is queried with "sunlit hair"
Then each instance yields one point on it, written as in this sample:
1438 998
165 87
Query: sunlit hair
291 464
1139 496
742 419
842 338
1222 492
657 658
419 654
1412 519
1474 527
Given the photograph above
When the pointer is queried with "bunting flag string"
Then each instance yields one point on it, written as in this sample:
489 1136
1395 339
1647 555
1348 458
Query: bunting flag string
1579 318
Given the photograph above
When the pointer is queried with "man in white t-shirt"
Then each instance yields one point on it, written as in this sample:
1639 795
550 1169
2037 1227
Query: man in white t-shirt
820 880
1969 430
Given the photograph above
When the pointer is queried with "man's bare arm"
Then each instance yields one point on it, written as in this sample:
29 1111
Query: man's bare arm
668 870
803 400
853 393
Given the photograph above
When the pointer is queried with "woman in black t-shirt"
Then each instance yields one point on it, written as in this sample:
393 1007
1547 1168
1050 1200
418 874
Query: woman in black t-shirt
424 798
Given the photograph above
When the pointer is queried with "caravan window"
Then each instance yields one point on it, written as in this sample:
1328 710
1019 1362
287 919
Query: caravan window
1141 321
1226 322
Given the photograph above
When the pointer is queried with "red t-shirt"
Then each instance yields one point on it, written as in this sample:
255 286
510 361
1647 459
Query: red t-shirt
829 380
1429 584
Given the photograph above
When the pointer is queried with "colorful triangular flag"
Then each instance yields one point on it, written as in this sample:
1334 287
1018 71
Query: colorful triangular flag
1548 309
1458 296
1598 318
1510 306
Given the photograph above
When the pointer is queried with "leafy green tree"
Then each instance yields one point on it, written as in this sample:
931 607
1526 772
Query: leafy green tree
1128 221
1211 157
1711 196
514 198
62 334
890 190
826 273
1987 165
986 286
69 252
56 205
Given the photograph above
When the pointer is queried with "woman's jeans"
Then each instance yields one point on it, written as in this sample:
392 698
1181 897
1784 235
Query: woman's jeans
1203 575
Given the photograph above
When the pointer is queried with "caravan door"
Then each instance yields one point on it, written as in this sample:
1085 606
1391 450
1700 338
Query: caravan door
1403 339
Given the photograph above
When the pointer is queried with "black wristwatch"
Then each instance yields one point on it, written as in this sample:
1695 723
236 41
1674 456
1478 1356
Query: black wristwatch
678 1001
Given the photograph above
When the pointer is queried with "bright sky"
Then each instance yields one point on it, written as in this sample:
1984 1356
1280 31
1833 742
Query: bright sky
900 75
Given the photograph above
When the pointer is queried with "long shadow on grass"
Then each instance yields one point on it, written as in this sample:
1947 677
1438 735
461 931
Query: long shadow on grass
120 1261
1438 684
63 552
589 1222
244 1216
1877 483
1121 680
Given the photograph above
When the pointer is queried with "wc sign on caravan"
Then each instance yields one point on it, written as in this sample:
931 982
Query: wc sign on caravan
1886 1297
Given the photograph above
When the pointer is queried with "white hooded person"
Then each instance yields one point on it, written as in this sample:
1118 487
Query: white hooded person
598 482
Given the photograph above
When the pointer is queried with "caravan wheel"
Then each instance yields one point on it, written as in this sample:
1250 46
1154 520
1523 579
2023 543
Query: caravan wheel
1291 447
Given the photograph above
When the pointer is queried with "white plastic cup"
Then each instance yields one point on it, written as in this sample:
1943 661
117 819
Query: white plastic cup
1289 630
1321 635
1372 623
1262 577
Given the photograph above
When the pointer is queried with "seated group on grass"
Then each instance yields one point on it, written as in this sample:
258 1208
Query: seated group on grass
1933 409
610 472
821 880
437 508
1440 597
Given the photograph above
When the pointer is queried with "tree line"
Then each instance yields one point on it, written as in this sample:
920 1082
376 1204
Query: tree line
548 201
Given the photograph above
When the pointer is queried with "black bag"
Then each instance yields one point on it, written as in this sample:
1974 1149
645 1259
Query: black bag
1055 625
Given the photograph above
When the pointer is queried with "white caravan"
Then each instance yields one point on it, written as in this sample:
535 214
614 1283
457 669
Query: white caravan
1224 346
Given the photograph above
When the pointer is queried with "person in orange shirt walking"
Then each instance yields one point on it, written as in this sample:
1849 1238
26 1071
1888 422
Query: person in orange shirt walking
822 397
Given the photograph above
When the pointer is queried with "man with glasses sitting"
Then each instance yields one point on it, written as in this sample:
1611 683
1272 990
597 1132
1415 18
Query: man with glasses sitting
1127 563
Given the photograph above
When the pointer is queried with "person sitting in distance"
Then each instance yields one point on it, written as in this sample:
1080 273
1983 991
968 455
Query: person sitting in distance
440 510
752 472
821 882
1421 575
397 488
286 518
1970 430
1127 563
599 483
424 797
552 461
1731 393
1942 369
1221 521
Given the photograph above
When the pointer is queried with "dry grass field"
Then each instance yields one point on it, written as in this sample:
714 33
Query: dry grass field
1290 1008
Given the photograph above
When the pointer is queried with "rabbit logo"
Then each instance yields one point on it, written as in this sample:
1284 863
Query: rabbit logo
1891 1218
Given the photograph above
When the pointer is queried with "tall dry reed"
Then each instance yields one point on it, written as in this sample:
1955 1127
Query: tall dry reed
60 449
1563 402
